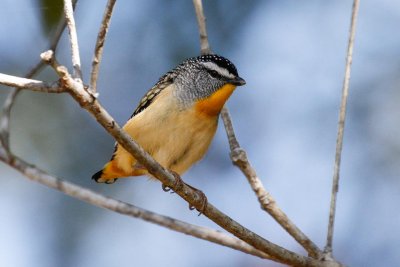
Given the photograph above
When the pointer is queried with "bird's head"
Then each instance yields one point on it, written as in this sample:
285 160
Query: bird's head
207 80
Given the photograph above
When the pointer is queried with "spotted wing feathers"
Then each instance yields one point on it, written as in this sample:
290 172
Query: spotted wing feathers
149 97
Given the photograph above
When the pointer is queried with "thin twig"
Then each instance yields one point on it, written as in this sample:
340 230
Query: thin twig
73 37
98 50
99 200
33 85
267 202
342 117
201 20
59 31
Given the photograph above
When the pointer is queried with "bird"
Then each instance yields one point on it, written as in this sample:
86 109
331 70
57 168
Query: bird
177 118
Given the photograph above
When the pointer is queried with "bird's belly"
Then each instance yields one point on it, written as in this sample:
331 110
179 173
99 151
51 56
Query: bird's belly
181 140
175 138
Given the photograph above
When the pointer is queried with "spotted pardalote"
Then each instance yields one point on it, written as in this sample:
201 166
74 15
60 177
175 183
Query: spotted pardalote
176 119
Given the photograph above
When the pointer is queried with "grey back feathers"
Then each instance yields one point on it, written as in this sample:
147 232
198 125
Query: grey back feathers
195 78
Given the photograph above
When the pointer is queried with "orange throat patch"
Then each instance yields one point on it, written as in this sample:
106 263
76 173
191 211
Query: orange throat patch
213 104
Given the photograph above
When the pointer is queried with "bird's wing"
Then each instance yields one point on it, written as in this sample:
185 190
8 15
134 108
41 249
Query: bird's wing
150 96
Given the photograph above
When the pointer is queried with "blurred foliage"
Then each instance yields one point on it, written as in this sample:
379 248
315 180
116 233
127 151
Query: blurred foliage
51 11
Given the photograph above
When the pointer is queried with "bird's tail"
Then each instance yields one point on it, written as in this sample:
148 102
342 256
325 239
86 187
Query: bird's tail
109 174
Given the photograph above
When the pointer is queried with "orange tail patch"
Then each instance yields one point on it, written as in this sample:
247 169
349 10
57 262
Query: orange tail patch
111 172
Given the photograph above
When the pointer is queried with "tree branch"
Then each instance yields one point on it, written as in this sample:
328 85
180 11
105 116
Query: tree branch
57 35
268 203
33 85
99 200
201 20
98 51
339 140
73 37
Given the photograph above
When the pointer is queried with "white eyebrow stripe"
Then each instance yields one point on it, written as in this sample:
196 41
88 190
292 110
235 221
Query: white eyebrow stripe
223 72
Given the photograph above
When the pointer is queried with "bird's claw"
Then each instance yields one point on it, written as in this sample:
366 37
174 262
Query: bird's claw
178 183
165 188
203 200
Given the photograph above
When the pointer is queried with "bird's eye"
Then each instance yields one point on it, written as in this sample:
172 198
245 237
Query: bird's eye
214 73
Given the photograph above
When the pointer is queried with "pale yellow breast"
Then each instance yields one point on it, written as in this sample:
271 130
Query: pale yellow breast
175 138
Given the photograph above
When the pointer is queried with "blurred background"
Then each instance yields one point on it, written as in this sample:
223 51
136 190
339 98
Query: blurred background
291 54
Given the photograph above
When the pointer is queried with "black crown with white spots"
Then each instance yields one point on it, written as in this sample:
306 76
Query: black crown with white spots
218 60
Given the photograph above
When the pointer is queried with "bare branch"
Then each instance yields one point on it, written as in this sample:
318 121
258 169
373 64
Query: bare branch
98 51
99 200
342 117
201 20
33 85
268 203
73 37
59 31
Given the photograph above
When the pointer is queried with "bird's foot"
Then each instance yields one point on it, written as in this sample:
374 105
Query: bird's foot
203 200
179 183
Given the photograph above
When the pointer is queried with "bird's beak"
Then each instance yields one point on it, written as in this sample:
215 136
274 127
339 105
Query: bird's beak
237 81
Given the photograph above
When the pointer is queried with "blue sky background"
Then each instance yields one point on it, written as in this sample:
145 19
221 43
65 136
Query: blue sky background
291 54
